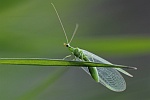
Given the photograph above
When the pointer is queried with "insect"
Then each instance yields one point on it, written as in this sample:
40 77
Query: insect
109 77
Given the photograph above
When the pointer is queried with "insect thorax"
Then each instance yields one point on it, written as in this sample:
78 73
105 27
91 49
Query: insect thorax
79 54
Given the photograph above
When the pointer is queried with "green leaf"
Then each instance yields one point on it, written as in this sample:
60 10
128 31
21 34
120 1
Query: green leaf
56 62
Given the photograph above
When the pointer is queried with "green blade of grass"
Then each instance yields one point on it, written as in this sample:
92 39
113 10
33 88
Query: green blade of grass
56 62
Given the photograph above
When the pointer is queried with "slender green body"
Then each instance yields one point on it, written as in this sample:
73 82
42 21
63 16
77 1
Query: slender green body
79 54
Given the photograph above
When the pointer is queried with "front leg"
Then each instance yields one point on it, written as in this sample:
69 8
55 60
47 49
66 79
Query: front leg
67 57
81 55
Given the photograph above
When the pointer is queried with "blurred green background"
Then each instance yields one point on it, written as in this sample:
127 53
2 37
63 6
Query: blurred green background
115 30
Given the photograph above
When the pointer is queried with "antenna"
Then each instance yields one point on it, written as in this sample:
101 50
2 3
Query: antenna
75 30
60 22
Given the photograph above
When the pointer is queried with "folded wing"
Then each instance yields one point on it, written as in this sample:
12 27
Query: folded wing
109 77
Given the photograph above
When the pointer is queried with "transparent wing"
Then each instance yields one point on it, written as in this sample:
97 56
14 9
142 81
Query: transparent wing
109 77
94 58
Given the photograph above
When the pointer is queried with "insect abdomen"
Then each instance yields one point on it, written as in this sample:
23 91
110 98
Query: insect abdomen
93 70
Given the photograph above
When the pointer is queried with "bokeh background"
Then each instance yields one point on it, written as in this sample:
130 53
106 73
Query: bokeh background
117 30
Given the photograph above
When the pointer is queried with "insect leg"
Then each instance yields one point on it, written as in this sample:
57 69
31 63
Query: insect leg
81 55
75 58
67 57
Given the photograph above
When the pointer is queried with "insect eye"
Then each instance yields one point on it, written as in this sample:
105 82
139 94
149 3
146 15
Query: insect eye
66 45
